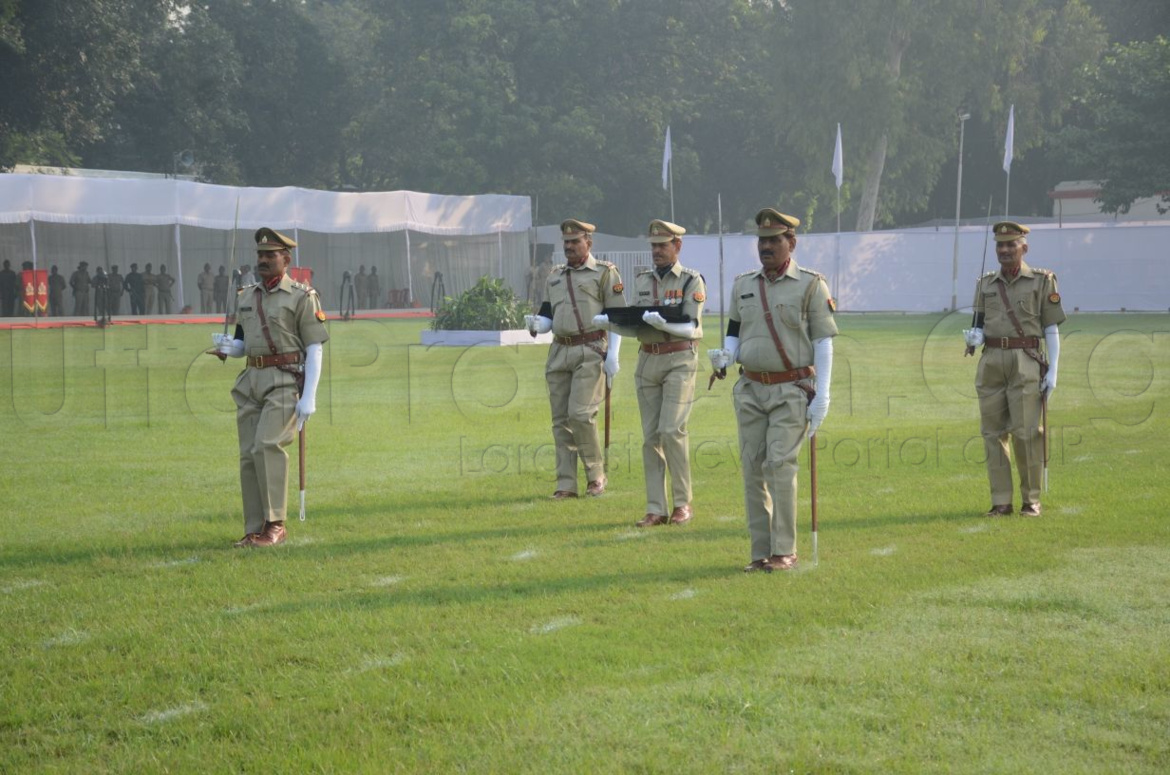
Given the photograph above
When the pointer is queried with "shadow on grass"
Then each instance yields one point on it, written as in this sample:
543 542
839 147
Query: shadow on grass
894 520
471 593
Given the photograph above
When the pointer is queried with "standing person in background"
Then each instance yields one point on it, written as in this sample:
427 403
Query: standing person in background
581 357
206 285
668 361
114 294
781 330
101 290
9 290
220 290
57 287
374 289
1017 308
79 283
361 286
136 290
149 306
163 282
281 329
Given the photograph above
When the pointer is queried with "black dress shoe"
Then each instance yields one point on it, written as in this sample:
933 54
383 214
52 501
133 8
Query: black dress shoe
999 511
1030 510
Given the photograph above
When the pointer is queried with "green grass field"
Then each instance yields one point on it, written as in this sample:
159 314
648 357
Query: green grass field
438 613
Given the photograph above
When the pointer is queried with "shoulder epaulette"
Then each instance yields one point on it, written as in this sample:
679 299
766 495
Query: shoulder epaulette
745 274
558 268
648 270
301 286
813 272
606 264
1045 272
992 273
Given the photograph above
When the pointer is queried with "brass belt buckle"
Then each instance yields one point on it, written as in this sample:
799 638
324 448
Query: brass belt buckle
765 378
1003 343
654 349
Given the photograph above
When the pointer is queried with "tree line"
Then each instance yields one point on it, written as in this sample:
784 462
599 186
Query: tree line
568 101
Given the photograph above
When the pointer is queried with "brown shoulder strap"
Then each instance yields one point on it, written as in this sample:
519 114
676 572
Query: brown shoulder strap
1011 313
264 320
771 325
573 299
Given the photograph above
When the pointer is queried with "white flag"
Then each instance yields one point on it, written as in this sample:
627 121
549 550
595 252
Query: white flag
838 160
666 158
1009 141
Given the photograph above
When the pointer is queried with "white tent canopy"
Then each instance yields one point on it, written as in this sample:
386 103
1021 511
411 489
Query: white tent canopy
64 199
490 231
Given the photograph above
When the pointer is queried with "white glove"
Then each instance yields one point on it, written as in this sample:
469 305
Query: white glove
720 359
1052 340
973 337
537 324
307 404
655 319
818 408
601 321
611 358
226 345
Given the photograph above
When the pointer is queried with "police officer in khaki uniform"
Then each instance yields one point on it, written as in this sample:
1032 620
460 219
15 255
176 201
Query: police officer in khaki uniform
667 363
79 282
206 285
1016 309
582 356
150 289
781 330
163 283
280 328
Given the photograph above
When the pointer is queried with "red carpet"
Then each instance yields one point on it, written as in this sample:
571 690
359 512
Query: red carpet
126 320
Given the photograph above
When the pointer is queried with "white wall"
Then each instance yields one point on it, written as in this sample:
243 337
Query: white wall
1099 267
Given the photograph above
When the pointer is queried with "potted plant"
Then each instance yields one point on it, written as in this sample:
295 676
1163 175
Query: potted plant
488 313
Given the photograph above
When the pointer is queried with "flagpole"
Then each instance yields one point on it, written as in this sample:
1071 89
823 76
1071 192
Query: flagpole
671 162
839 176
1009 143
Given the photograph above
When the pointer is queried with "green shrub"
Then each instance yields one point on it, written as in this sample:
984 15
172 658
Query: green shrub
489 305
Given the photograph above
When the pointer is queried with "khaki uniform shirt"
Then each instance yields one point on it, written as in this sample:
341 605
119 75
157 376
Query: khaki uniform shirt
802 312
680 287
1033 296
596 285
295 319
164 282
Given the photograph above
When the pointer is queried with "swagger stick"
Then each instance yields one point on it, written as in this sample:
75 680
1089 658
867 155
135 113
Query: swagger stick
812 467
608 387
301 447
1044 436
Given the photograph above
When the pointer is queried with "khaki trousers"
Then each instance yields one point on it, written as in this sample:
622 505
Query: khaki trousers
266 401
576 388
1008 385
772 422
666 392
204 301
